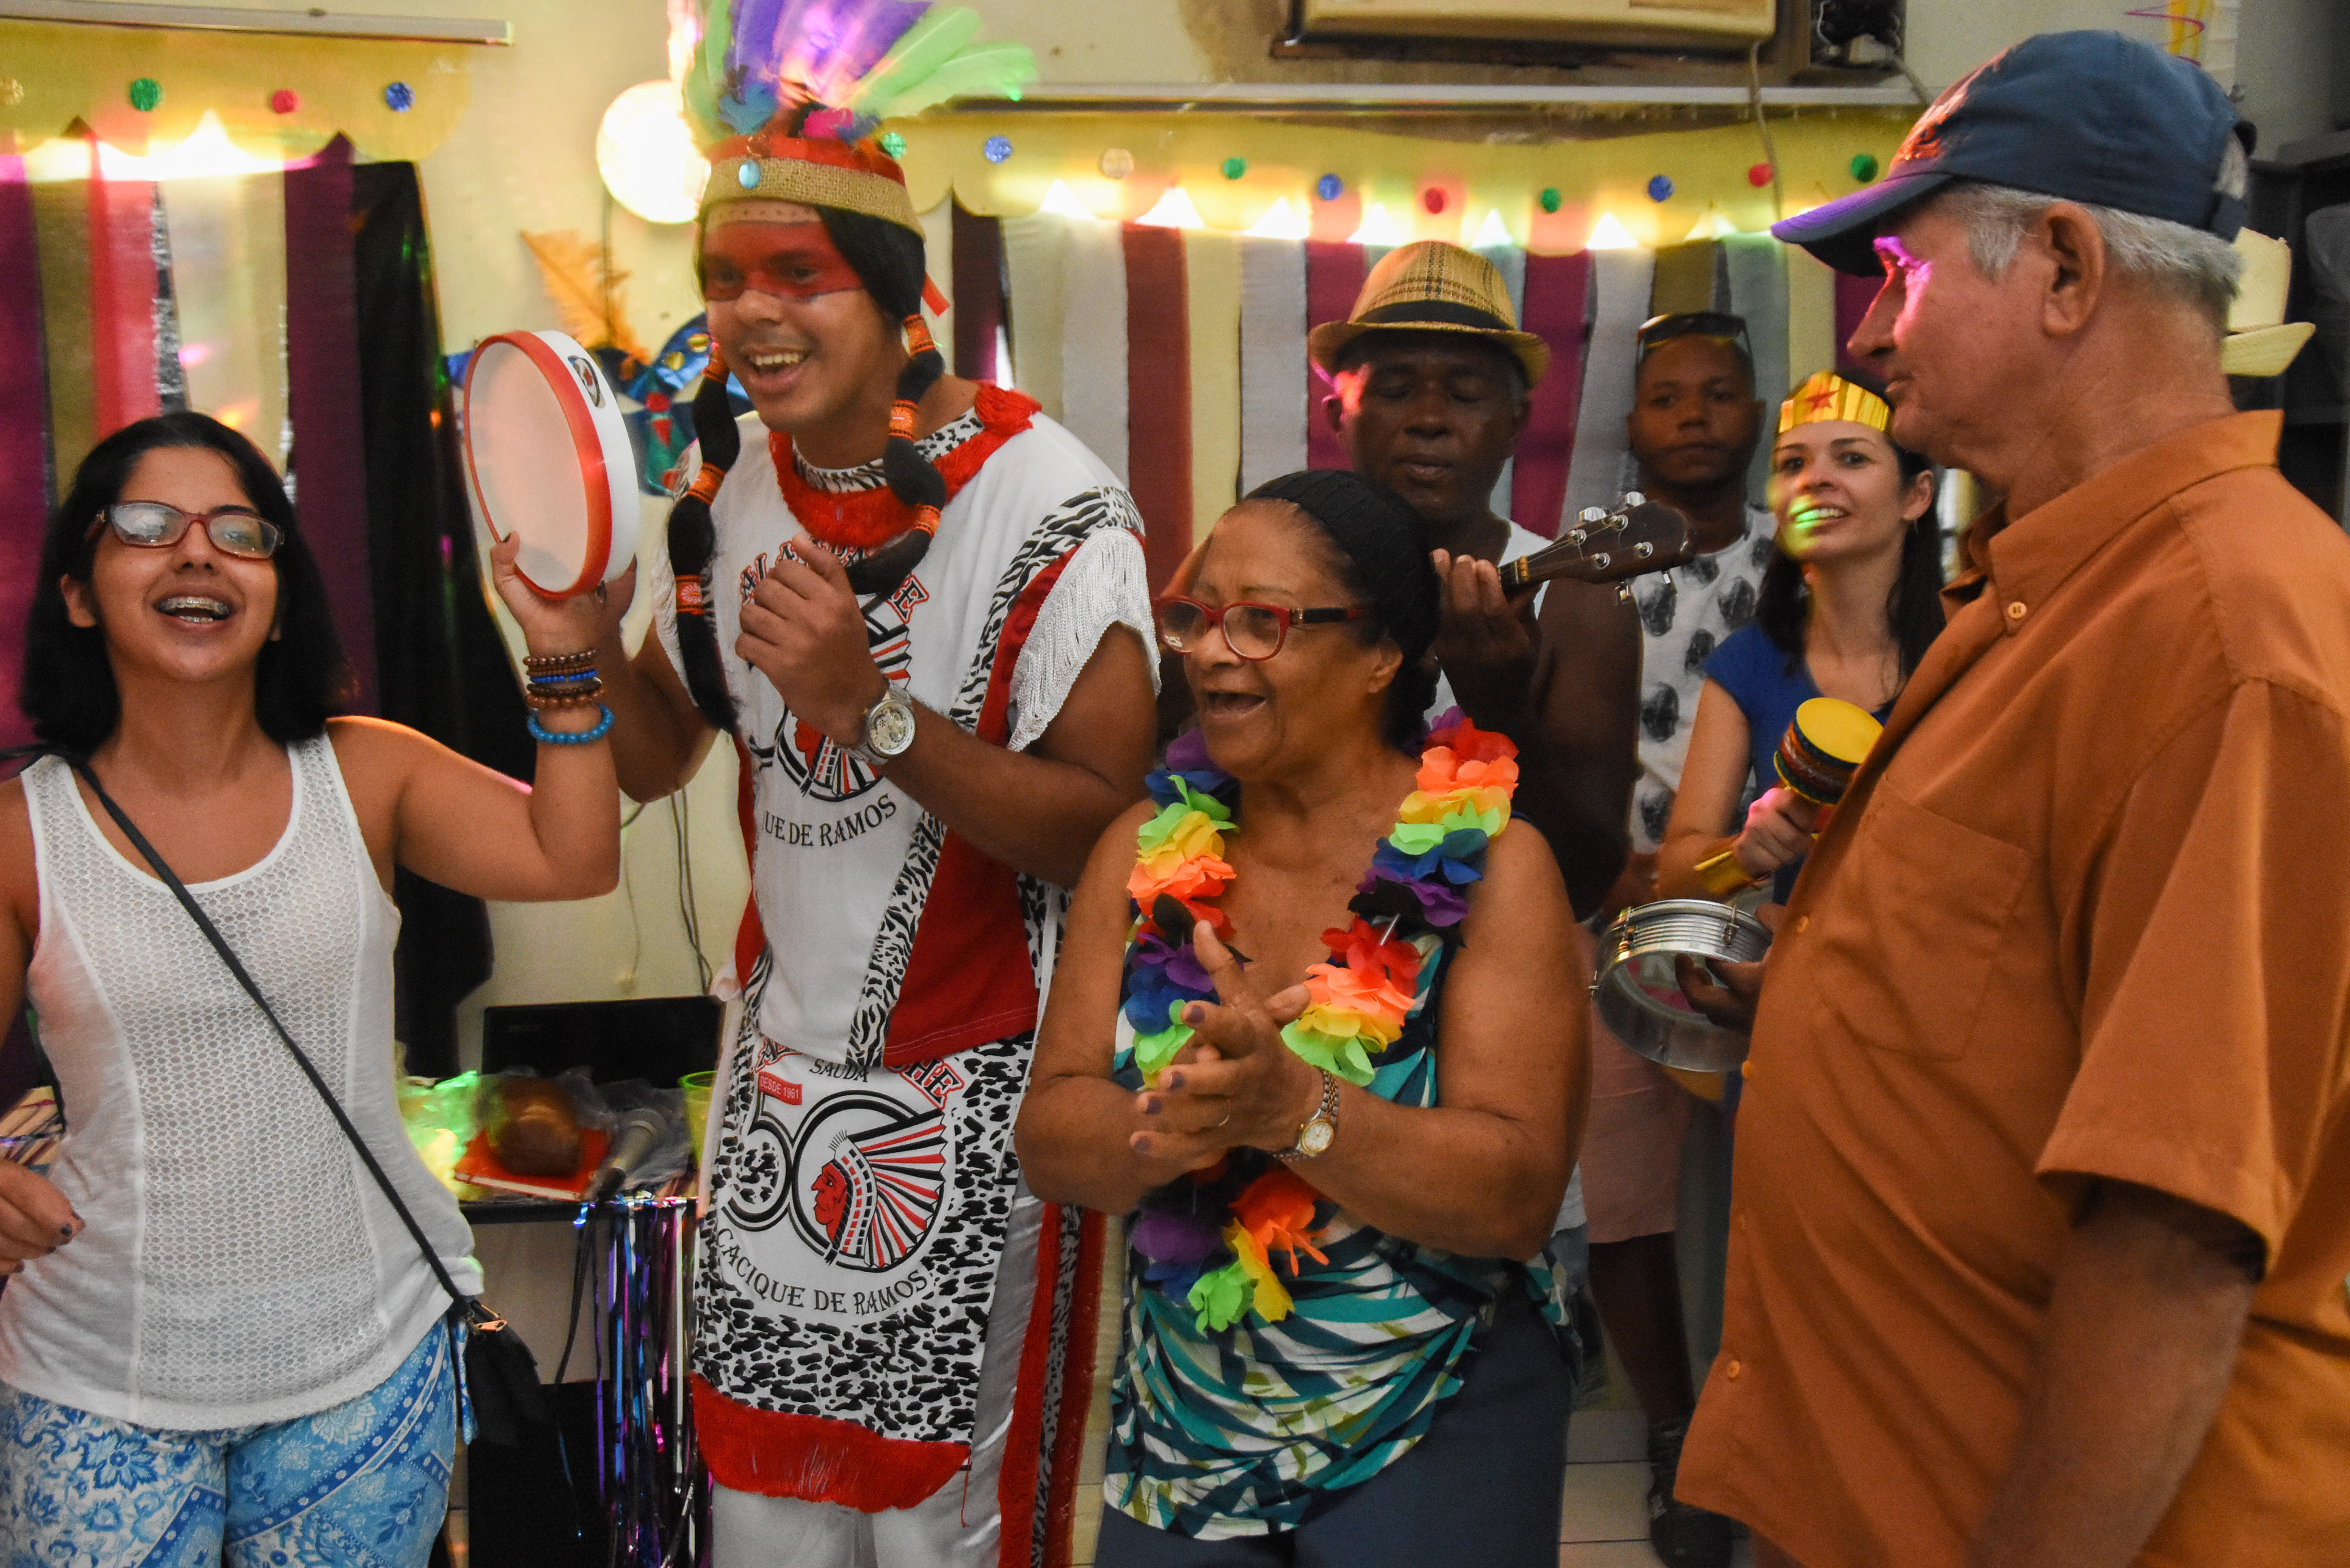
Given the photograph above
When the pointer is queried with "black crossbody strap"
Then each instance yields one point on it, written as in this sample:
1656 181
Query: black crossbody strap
301 1059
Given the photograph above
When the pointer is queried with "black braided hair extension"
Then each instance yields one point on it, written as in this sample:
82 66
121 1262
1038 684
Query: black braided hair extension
694 539
888 259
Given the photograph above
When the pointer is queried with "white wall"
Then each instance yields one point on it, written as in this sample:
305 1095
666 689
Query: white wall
2292 61
2285 53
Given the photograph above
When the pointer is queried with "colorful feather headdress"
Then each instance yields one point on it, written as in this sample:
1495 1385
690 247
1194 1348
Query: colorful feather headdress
784 96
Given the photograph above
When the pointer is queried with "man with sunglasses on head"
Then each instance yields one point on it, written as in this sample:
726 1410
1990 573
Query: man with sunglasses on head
1692 432
1431 387
903 601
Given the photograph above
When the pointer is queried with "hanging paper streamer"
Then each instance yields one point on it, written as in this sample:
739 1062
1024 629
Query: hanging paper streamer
646 1468
1211 303
228 283
1159 392
23 489
1557 296
322 351
1275 406
975 248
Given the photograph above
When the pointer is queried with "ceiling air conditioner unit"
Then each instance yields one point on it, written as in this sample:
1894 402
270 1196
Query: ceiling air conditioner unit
1699 23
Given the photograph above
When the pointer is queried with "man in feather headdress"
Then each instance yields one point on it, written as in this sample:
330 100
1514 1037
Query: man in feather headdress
902 599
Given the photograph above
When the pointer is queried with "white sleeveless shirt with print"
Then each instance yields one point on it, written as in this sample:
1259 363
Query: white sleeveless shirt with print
240 1266
841 859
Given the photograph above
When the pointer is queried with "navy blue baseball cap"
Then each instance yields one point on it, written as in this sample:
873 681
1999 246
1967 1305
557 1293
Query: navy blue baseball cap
2082 117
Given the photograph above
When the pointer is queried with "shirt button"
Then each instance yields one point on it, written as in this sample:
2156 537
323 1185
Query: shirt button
2017 611
1802 923
1731 1370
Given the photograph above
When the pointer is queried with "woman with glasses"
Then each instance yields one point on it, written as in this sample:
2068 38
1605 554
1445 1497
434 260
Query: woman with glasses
1296 1033
1848 607
219 1343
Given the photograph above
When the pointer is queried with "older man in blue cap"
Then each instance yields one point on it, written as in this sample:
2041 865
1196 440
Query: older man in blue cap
2043 1186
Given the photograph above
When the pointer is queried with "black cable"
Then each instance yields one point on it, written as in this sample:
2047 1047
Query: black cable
682 818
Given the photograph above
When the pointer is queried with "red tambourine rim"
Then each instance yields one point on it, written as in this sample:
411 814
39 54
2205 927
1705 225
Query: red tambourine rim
587 443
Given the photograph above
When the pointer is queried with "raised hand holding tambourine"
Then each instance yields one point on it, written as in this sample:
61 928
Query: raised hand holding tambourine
547 454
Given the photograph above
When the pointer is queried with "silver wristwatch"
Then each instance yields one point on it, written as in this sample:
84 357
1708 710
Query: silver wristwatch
888 730
1316 1133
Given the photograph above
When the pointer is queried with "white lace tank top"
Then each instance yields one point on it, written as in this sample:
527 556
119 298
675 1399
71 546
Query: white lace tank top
239 1265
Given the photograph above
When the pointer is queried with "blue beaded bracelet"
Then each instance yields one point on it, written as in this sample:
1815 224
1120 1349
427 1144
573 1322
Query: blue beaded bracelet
546 737
576 677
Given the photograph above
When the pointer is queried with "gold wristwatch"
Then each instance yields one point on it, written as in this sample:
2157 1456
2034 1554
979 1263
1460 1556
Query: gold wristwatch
1316 1133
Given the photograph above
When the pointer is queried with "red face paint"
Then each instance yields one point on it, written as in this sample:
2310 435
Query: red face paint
792 261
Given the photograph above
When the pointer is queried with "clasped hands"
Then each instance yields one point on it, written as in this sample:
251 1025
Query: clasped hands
1235 1083
805 631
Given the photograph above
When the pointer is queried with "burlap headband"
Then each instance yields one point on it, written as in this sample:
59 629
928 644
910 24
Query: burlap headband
740 174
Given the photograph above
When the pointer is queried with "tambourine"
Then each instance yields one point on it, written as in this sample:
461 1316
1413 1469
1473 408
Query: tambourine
1639 996
547 453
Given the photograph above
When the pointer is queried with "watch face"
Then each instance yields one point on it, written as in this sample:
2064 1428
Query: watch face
889 727
1315 1136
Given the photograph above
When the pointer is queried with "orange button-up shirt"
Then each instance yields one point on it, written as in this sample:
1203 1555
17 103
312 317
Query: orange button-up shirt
2085 913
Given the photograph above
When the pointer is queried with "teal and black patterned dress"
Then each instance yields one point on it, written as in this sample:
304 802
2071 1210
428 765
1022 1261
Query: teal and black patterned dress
1261 1426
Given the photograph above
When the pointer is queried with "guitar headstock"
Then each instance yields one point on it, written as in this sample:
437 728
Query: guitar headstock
1638 535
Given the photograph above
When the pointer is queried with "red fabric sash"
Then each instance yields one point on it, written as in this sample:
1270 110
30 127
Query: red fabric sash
776 1453
867 519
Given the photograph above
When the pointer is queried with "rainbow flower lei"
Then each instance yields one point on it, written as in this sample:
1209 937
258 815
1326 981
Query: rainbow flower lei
1210 1238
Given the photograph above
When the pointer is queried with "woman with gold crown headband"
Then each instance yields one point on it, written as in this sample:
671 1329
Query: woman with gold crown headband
1847 609
899 593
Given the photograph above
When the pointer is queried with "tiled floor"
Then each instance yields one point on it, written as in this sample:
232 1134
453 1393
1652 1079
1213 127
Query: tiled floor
1605 1521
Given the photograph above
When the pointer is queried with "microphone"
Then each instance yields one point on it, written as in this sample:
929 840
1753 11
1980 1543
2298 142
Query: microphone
638 1134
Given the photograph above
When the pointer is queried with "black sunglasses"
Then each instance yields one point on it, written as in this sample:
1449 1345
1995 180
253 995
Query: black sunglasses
1718 324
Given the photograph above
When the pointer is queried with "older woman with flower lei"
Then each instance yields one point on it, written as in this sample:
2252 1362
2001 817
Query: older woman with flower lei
1313 1030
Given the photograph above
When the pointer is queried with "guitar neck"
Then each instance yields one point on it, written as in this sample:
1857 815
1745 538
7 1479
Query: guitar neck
1606 548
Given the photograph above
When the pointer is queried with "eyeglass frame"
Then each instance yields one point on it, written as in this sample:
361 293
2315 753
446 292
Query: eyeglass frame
1720 324
1283 617
271 533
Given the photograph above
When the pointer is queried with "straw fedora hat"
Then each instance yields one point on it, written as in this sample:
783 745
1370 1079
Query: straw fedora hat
2260 341
1430 286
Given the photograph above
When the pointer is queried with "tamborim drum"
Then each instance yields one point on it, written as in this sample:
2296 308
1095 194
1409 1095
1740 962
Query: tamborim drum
1639 995
546 448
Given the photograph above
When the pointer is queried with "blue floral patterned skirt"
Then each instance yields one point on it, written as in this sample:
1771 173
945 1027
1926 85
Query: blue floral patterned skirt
363 1484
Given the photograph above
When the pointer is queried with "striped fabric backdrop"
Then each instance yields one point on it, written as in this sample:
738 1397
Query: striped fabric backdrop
1179 355
122 298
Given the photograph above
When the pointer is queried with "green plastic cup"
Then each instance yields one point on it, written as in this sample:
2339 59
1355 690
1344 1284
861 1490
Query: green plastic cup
697 1087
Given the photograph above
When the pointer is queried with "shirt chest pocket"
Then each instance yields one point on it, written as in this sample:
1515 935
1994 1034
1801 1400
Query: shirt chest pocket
1905 939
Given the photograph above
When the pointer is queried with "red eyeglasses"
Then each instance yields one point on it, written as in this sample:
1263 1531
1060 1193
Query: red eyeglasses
1252 631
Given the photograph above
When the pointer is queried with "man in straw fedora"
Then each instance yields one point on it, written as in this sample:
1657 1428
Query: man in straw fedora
2042 1205
1432 383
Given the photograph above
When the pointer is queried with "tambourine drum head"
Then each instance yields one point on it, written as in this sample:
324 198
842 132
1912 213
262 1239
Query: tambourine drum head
541 427
1638 992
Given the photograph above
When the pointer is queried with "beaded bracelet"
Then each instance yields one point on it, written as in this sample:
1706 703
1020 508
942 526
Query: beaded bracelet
549 691
546 737
559 664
